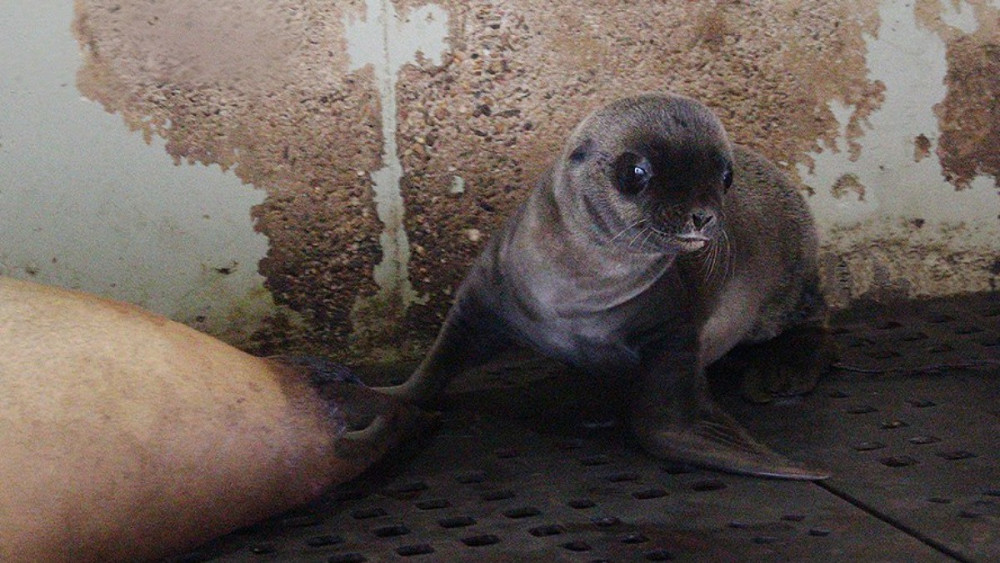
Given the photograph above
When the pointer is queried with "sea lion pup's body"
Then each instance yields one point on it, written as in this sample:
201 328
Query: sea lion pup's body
650 249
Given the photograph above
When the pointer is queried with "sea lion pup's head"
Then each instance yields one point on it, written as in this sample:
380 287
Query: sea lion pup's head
647 174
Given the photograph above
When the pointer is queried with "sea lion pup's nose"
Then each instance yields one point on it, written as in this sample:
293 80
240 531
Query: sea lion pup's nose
702 218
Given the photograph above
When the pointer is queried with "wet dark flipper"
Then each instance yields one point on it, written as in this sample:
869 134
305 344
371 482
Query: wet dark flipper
471 336
714 440
674 418
789 365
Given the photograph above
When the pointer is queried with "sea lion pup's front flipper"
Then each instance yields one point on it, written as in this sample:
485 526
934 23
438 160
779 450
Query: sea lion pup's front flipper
674 418
376 422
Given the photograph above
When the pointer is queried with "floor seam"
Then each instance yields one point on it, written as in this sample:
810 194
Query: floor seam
895 523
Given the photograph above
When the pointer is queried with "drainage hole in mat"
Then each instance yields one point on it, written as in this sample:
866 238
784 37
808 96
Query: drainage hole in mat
323 541
481 541
433 504
888 325
606 521
522 512
868 446
864 409
406 489
921 403
492 496
658 555
678 468
347 558
457 522
366 513
632 539
622 477
765 540
391 531
649 494
708 486
968 329
892 424
412 550
956 455
898 461
577 546
581 503
546 531
913 336
923 440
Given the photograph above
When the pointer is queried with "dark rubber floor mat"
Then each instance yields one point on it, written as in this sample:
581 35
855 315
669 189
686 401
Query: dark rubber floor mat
534 465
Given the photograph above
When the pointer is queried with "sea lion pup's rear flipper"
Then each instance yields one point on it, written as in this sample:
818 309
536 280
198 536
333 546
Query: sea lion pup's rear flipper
376 422
684 424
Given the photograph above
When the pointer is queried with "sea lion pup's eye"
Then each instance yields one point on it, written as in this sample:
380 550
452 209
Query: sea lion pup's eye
727 177
632 173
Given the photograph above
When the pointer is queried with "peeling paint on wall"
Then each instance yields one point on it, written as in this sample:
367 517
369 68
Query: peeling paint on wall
421 32
872 195
386 169
86 204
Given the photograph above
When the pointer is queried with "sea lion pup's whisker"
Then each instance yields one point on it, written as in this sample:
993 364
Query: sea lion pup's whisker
650 233
708 262
730 252
626 229
720 250
641 232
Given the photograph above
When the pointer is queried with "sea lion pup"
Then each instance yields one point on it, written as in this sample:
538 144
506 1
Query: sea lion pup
128 437
650 249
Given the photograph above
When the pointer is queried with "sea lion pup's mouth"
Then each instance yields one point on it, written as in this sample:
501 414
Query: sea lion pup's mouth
690 242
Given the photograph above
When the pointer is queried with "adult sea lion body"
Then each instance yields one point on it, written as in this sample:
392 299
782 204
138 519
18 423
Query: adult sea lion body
650 249
129 437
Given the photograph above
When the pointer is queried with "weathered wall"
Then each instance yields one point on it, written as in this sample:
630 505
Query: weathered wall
391 137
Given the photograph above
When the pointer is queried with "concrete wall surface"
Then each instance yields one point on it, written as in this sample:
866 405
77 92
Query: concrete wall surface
316 176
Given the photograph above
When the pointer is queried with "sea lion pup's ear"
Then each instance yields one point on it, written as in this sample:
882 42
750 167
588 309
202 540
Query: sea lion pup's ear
582 151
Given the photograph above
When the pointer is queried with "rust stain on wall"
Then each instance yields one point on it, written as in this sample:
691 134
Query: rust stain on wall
921 147
289 117
970 113
261 87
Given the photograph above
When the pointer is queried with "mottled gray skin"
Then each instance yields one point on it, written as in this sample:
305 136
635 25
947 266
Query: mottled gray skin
634 258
